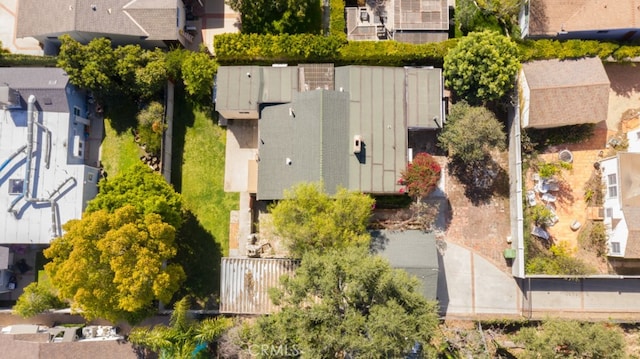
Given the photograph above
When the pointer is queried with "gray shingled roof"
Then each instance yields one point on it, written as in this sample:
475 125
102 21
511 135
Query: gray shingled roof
414 252
48 84
308 143
566 92
155 20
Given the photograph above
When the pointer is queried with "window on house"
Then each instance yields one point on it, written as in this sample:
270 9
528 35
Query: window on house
76 111
16 186
615 247
612 185
610 212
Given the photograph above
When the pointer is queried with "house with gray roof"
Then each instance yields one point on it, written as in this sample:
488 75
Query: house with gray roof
554 93
47 171
346 126
412 21
149 23
617 20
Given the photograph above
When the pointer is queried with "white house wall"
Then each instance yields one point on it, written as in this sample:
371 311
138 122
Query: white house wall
620 232
524 99
634 140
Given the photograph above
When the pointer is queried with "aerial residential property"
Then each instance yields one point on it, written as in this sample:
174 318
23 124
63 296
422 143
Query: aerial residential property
149 23
410 21
581 19
347 126
48 168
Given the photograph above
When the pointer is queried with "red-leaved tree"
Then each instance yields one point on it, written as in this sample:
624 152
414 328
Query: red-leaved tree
421 176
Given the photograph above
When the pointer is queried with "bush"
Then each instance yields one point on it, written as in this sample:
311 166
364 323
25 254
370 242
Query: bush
337 22
151 127
558 262
9 60
550 169
594 189
35 299
541 215
543 138
421 176
593 236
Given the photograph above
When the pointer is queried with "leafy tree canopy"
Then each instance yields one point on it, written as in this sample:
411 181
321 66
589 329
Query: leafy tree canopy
422 175
471 132
347 303
184 338
98 67
142 188
499 15
482 66
310 220
111 264
278 16
571 339
198 70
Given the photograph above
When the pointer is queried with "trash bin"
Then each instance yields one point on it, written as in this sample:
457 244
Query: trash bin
509 253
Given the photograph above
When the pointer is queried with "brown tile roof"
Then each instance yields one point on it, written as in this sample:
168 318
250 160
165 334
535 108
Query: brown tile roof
157 20
12 347
548 17
566 92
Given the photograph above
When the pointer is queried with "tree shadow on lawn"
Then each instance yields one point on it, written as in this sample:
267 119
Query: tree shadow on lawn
121 110
481 179
182 119
199 254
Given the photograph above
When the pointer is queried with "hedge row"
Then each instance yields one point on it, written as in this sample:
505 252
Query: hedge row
252 48
11 60
337 22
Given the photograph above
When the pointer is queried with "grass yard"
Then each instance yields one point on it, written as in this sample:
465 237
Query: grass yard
119 150
202 184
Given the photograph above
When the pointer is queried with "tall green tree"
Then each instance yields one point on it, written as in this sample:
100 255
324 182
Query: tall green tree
142 188
278 16
184 338
481 67
112 265
471 132
311 220
345 304
571 339
198 70
89 66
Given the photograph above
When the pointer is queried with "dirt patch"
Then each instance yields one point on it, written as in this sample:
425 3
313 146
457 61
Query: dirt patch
481 226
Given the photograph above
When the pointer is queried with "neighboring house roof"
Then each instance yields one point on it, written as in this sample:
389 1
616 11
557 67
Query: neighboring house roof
48 84
413 251
550 17
566 92
310 115
64 178
26 346
245 282
150 19
414 21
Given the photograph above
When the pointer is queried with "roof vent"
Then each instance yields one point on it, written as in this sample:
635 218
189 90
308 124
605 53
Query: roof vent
357 144
94 7
291 113
288 161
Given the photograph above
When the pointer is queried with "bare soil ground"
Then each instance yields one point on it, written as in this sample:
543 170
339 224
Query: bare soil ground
482 226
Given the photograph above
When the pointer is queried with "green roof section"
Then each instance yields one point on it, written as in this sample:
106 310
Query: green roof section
413 251
303 141
311 116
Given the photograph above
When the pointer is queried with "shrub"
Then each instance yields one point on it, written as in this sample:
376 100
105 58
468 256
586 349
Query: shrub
560 135
594 189
37 298
421 176
151 127
8 60
550 169
541 215
593 236
558 262
337 22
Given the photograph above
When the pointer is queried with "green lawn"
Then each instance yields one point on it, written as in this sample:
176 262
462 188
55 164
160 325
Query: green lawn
119 151
203 177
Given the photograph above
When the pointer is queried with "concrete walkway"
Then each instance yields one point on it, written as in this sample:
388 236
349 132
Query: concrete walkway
168 134
470 286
